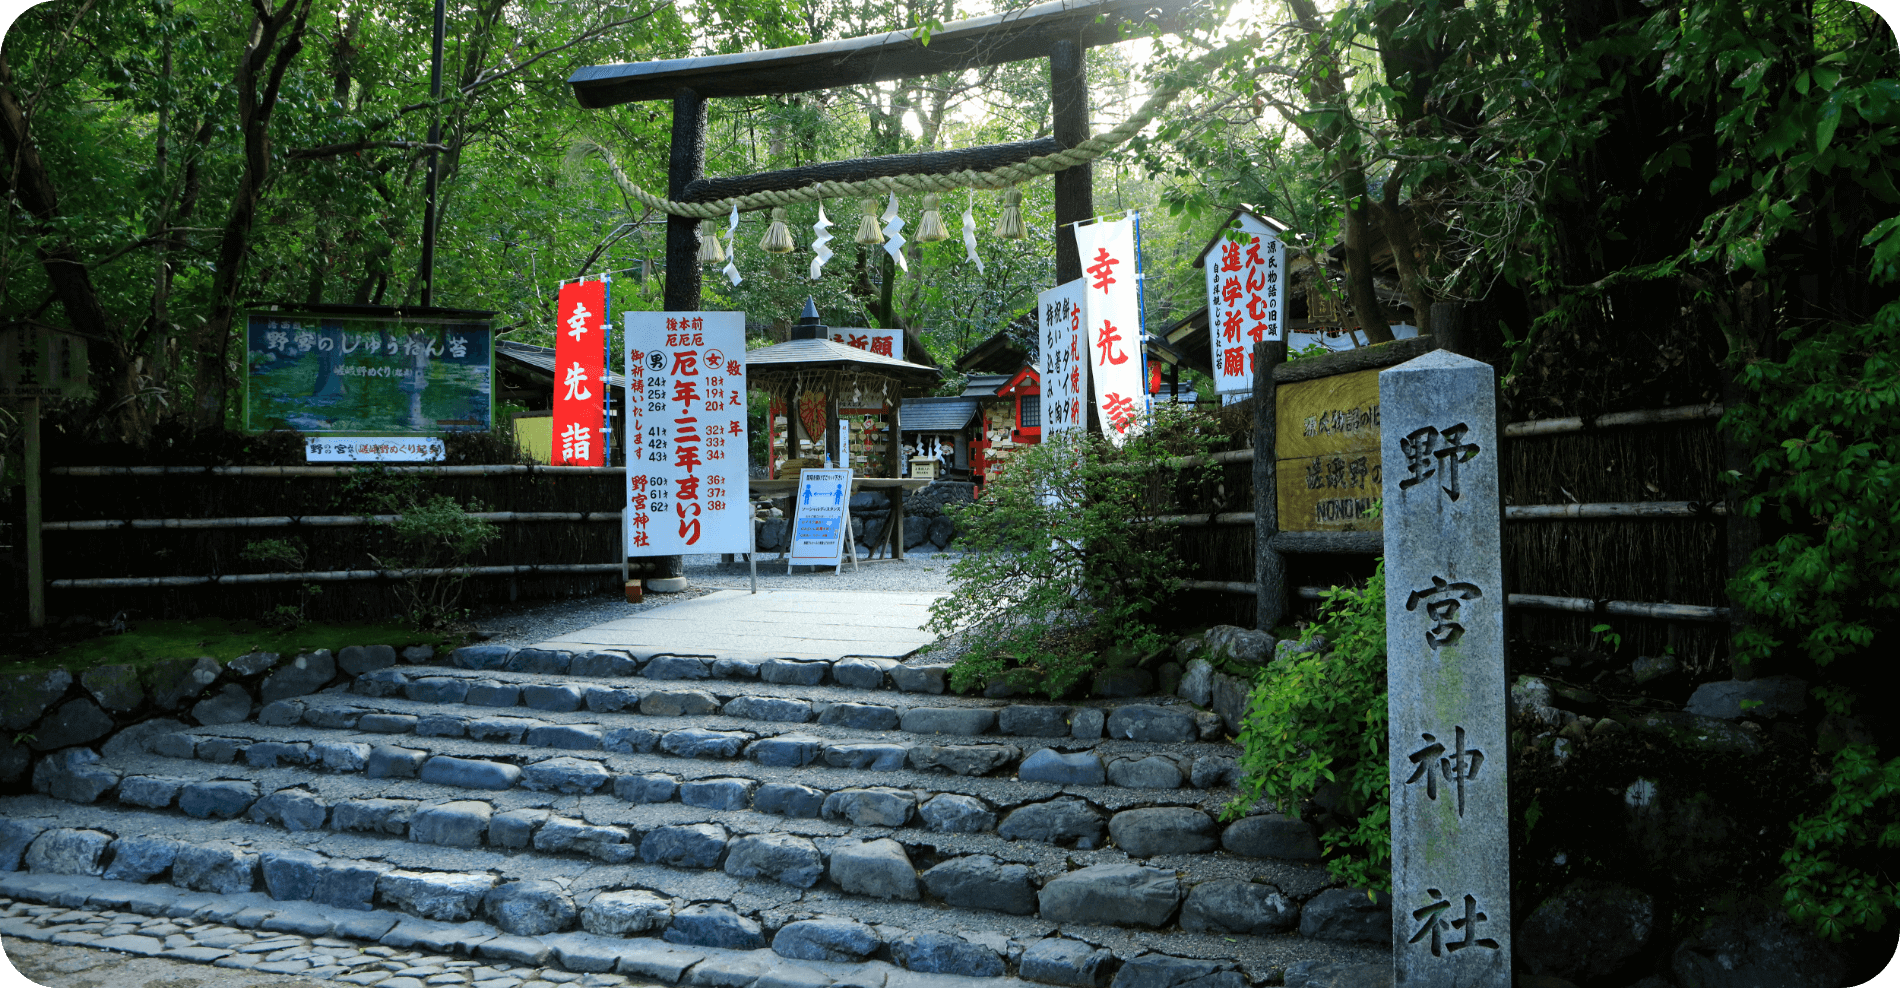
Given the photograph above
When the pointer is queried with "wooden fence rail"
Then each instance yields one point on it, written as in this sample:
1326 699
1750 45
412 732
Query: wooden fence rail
315 521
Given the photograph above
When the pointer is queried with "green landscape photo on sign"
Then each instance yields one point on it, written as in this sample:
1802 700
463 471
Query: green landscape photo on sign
356 375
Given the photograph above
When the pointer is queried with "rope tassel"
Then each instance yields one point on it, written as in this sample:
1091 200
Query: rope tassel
930 229
868 234
710 253
778 237
1009 226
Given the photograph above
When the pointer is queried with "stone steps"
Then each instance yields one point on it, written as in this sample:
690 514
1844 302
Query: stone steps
1151 754
714 823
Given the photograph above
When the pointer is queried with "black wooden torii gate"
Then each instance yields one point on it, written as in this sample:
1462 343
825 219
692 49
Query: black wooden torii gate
1059 31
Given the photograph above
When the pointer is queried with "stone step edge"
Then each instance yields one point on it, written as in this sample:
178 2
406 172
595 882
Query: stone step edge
1087 767
1263 831
673 666
584 953
1084 722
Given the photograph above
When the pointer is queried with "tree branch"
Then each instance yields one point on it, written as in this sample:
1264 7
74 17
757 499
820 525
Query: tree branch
332 150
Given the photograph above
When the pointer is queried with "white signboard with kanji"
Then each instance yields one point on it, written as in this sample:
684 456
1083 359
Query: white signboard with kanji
1111 316
1246 300
820 517
374 449
686 434
1064 359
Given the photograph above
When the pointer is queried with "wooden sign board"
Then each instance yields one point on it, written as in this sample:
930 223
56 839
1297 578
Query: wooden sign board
38 362
1327 448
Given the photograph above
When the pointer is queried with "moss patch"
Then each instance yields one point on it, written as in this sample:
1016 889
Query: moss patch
149 641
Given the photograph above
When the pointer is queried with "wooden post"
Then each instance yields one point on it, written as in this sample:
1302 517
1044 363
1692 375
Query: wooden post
686 162
35 556
1069 107
1268 565
896 523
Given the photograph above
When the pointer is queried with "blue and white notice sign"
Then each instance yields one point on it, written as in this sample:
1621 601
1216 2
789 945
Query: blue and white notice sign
823 511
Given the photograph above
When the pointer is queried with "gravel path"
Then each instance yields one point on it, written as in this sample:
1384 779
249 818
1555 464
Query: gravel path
704 573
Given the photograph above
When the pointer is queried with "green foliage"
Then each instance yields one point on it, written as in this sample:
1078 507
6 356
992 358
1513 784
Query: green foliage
1319 720
1837 881
1608 636
430 532
290 553
1063 559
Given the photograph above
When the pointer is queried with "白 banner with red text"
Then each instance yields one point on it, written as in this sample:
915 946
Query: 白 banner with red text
686 434
1111 317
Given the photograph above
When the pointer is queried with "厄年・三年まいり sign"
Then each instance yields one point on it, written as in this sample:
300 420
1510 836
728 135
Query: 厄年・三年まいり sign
687 489
1326 445
367 375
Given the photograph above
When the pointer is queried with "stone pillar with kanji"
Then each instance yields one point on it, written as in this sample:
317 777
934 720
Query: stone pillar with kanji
1444 616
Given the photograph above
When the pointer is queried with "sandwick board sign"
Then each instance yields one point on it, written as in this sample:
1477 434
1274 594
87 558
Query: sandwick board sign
823 518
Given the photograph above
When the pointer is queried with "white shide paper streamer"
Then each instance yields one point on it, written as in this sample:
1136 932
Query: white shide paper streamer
818 244
731 270
969 234
893 238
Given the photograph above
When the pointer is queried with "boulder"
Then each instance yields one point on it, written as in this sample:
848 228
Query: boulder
1087 722
347 884
870 756
1063 820
617 914
1164 830
828 938
942 531
374 816
1123 682
789 799
1756 949
15 837
1230 695
1165 971
508 730
555 698
697 742
606 699
340 756
1213 772
651 787
383 682
786 750
461 823
919 678
68 851
176 681
948 720
1034 720
878 868
1585 932
1059 961
979 881
1271 835
953 813
945 953
141 859
784 858
359 659
115 687
860 717
74 775
443 896
964 759
469 773
776 709
1648 668
566 775
73 722
1197 683
1119 894
1756 699
387 761
542 660
861 672
717 794
290 874
271 754
439 689
24 699
296 810
877 806
305 674
1083 768
529 908
714 924
222 799
598 663
1229 905
613 845
283 713
1239 645
480 656
1152 772
152 791
693 845
515 828
1347 914
794 672
214 867
678 667
488 693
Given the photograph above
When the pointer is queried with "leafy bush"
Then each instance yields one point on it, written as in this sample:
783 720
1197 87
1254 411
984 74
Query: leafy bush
431 532
294 554
1316 723
1063 558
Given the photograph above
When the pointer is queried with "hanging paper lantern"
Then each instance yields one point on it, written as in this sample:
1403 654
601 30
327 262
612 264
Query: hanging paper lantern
868 233
930 229
778 237
709 250
1009 226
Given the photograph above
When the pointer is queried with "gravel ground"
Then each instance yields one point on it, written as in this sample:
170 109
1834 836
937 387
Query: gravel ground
917 572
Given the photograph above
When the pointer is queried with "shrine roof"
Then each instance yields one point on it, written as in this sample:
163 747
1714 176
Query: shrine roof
1011 36
784 359
935 414
541 358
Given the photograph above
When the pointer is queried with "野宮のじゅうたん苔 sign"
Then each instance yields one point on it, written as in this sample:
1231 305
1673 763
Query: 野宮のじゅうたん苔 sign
325 374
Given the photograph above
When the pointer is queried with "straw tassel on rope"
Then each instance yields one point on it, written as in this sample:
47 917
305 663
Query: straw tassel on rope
1009 225
868 233
778 237
930 229
710 253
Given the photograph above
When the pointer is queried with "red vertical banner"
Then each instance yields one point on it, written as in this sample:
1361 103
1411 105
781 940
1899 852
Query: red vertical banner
580 375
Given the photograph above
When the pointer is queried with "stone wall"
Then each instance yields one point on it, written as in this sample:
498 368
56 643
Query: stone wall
926 524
